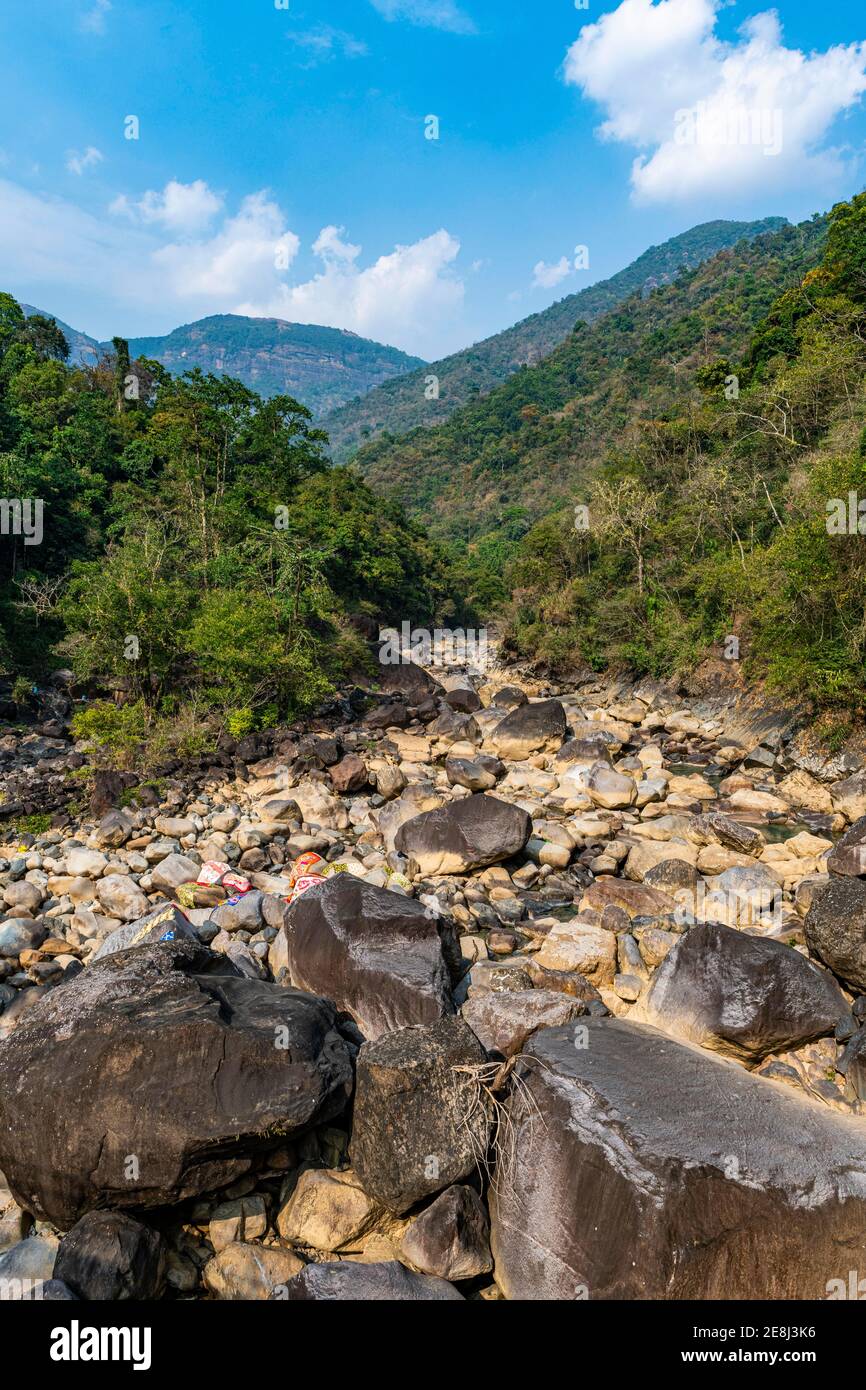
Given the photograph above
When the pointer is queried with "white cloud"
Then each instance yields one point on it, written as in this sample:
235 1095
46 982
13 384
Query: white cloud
77 163
242 260
93 20
324 42
433 14
180 207
712 117
545 276
149 268
330 246
409 297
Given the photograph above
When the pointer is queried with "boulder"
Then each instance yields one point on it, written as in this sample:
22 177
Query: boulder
27 1266
531 728
849 796
464 835
388 1282
174 870
421 1120
250 1272
835 927
609 789
240 1220
349 774
641 1167
740 995
180 1071
114 829
19 934
108 1256
848 856
637 899
409 680
509 697
581 946
23 897
120 896
469 773
381 956
327 1211
504 1020
451 1238
166 924
87 863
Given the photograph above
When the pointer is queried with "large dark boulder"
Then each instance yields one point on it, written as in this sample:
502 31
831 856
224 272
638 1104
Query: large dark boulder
464 835
639 1167
451 1237
421 1121
345 1281
743 996
848 855
835 928
409 680
528 729
158 1074
382 957
108 1256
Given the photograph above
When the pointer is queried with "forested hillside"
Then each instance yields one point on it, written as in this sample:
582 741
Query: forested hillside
405 403
725 510
194 542
320 367
503 461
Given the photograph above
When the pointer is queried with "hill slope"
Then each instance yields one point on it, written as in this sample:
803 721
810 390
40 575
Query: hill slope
400 405
505 459
320 367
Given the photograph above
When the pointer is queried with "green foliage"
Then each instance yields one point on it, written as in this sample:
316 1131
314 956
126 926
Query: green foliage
711 517
396 408
198 550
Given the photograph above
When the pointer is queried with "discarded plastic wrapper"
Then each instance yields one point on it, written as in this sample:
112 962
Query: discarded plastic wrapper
309 863
211 872
214 871
304 884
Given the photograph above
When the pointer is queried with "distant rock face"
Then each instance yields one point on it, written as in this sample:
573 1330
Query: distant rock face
322 367
644 1168
531 728
380 956
464 835
835 928
155 1075
740 995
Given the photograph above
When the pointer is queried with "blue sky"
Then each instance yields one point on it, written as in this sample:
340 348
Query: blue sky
282 165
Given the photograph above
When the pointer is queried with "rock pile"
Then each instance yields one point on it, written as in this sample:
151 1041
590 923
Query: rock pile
473 989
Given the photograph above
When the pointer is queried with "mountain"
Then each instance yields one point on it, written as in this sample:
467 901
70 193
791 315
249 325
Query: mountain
505 459
321 367
83 351
401 405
